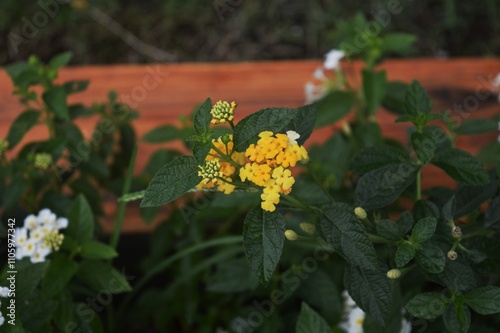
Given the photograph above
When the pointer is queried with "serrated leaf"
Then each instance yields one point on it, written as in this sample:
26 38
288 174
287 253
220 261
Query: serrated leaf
100 275
449 208
389 230
334 106
405 222
96 250
263 239
339 224
394 97
72 87
424 229
303 122
81 220
310 321
485 300
428 306
424 146
416 100
492 216
478 126
470 197
458 275
172 181
28 277
374 86
55 100
371 290
431 258
233 276
59 272
22 124
398 42
456 318
202 117
248 129
376 157
461 166
383 186
200 151
404 254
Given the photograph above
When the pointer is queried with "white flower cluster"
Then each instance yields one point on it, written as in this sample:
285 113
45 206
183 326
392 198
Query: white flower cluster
354 317
4 293
318 88
39 236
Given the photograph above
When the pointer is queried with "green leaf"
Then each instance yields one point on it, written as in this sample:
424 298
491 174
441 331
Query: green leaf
99 276
28 277
371 290
428 306
416 100
456 318
374 86
394 97
263 238
461 166
431 258
60 271
22 124
170 182
64 312
334 106
492 216
310 321
96 250
383 186
72 87
272 119
424 146
405 222
449 209
368 134
398 42
203 117
55 100
60 60
424 229
485 300
343 229
469 197
303 123
164 133
81 220
200 151
404 253
389 230
478 126
233 276
376 157
458 275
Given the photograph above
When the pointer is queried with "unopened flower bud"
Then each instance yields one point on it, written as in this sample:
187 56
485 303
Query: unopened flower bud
308 228
346 129
394 274
226 138
360 213
4 145
43 161
291 235
456 232
452 255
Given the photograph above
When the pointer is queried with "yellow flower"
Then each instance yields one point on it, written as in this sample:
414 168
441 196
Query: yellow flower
222 111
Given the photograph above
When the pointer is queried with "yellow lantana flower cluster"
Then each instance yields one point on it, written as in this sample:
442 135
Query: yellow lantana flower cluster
270 159
222 111
217 172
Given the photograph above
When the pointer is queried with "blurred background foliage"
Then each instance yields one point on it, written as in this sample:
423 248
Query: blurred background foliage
222 30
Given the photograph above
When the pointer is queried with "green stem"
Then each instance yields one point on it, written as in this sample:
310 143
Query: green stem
122 205
379 240
296 202
225 158
419 185
168 261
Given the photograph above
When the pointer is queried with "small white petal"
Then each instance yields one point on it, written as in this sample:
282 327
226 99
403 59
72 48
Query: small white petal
4 292
30 222
332 59
61 223
292 136
319 74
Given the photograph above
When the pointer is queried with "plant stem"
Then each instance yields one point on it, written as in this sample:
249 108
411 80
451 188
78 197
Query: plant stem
121 207
225 157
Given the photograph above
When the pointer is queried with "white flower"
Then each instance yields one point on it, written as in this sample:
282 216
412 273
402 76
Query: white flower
61 223
28 249
332 59
313 92
405 326
2 319
292 136
4 292
37 234
46 217
21 236
356 319
319 74
30 222
348 301
40 254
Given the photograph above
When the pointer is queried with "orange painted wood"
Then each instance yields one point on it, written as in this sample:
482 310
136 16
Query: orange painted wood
259 85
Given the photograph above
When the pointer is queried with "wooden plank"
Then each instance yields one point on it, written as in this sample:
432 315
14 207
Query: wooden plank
164 92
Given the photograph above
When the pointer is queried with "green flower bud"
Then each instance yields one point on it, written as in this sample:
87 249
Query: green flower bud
452 255
394 274
308 228
291 235
456 232
360 213
43 161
